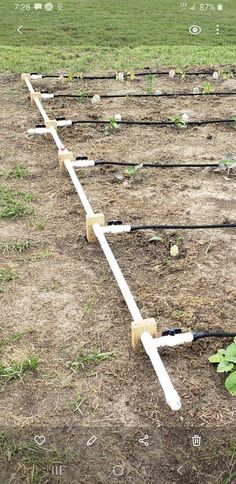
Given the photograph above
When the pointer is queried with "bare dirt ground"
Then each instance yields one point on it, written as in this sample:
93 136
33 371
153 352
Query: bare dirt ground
66 294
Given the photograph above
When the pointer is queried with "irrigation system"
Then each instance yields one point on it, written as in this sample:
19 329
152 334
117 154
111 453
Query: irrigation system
143 331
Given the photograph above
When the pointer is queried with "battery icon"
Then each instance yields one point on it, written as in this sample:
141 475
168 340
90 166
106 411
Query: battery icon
220 7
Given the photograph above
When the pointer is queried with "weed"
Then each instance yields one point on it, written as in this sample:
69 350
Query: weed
19 171
89 306
7 275
40 255
229 162
82 95
15 247
15 337
180 72
178 121
179 313
93 358
41 223
16 370
77 404
12 203
226 359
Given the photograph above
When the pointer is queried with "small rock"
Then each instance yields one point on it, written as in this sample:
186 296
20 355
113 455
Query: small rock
174 251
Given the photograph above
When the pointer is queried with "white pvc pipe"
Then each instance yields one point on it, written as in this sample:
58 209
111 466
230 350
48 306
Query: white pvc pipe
171 395
36 76
87 207
41 109
116 229
46 95
83 163
38 131
64 122
175 340
56 138
128 297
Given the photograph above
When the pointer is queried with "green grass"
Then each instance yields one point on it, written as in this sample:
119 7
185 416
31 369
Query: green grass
112 24
7 275
14 337
14 203
77 403
16 370
15 247
18 171
40 255
28 462
93 358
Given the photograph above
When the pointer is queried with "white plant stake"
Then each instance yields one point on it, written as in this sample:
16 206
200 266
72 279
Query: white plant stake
158 92
96 99
172 74
215 75
118 117
120 76
196 90
185 117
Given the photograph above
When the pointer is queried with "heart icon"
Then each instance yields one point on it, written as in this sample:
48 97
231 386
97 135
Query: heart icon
39 439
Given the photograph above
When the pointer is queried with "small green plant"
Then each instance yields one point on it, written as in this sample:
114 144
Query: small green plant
19 171
15 247
113 124
151 79
178 121
82 95
131 75
16 370
14 204
180 72
226 363
77 404
131 171
93 358
40 255
41 223
206 87
228 163
7 275
226 74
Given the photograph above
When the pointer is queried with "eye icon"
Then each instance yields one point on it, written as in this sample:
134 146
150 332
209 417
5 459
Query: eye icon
195 29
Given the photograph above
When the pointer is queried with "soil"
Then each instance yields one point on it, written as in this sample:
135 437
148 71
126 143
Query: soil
71 301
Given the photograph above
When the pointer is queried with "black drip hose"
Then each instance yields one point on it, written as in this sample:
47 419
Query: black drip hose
212 334
153 123
157 165
130 95
139 74
181 227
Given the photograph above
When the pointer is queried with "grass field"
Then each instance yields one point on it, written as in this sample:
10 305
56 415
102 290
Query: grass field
97 35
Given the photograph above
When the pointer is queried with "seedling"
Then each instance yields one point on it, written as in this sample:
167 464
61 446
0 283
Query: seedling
82 95
226 74
226 363
234 119
76 405
8 340
131 171
131 75
206 87
113 124
151 80
228 164
178 121
181 73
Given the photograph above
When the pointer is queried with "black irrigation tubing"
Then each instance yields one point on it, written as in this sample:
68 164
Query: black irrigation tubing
152 123
212 334
155 165
181 227
136 95
138 74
